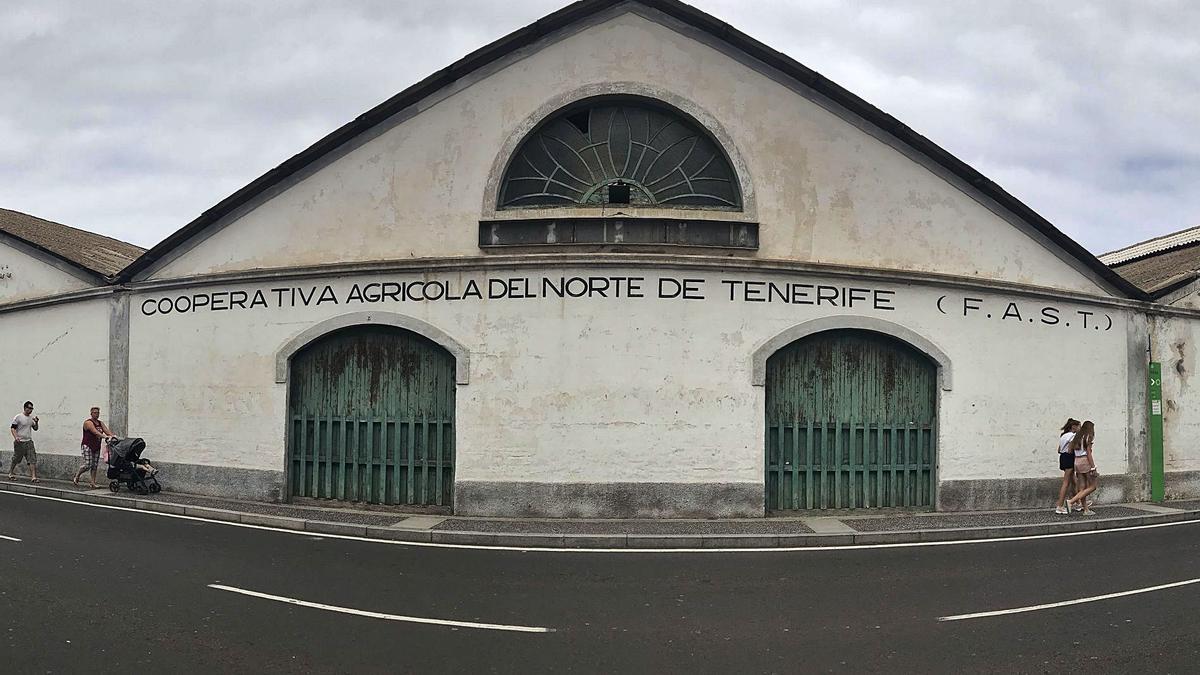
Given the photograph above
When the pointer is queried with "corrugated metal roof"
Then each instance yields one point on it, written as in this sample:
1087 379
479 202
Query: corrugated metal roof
93 252
1152 246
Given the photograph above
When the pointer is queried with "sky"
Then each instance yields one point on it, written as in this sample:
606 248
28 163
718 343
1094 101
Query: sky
130 118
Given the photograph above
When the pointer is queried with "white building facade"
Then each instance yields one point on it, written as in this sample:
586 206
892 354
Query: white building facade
624 262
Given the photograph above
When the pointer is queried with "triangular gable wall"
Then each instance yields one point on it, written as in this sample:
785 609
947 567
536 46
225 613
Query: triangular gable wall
26 273
830 185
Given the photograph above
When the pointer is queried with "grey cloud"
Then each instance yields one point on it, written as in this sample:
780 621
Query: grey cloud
136 116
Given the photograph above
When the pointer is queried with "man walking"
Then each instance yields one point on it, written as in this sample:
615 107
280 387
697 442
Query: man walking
22 429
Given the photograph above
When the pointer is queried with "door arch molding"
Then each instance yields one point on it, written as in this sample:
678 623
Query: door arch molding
462 364
758 361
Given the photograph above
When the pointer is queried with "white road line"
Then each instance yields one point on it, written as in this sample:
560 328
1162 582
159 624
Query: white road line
540 549
1066 603
9 538
380 615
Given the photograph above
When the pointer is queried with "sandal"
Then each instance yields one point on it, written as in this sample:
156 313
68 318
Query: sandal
34 480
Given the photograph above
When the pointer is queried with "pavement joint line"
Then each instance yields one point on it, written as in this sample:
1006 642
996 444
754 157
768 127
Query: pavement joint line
1067 603
50 483
1154 508
827 525
852 516
381 615
419 522
844 542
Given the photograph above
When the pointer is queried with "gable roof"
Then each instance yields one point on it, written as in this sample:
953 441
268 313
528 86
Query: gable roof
683 13
1159 265
85 250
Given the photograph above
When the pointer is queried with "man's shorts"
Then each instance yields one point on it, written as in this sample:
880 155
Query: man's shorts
24 450
91 458
1066 461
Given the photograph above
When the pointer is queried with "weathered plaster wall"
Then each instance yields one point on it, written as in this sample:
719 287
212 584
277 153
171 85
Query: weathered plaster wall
1174 344
604 390
1173 341
1188 301
56 357
23 277
1187 297
824 190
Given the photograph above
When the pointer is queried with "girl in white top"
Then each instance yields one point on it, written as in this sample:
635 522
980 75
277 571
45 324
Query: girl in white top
1066 464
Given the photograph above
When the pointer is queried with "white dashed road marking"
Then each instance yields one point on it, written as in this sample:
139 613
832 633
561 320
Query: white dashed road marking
380 615
1066 603
8 538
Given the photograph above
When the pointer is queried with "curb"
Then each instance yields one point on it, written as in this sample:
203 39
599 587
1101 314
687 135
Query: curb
608 541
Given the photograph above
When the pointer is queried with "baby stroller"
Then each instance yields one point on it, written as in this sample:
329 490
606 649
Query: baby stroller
126 465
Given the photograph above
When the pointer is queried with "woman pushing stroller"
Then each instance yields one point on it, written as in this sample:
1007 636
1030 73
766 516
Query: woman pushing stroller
95 433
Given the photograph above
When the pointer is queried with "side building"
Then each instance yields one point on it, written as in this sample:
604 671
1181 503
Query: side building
1168 269
63 331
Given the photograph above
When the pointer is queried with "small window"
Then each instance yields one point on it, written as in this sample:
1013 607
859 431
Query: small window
620 152
618 193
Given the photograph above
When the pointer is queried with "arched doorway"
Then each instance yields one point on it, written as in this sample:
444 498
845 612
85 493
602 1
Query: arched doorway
371 418
850 423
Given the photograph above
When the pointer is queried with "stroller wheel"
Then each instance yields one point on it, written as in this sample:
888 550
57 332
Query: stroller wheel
155 487
114 486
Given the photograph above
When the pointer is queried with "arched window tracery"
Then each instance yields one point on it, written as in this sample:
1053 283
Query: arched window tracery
630 151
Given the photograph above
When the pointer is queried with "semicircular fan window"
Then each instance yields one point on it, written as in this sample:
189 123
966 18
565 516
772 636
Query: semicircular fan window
619 153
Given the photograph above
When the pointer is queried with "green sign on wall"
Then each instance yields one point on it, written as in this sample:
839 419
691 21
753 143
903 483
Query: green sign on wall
1157 488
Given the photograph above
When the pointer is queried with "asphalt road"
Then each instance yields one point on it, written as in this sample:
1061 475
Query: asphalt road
98 590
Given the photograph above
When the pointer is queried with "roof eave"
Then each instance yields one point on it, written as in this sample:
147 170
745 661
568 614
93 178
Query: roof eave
1152 254
1160 292
92 274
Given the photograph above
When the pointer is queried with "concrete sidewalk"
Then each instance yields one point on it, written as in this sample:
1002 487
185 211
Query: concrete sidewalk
800 530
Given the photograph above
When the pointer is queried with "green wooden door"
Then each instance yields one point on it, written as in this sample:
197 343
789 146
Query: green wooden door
850 423
371 418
